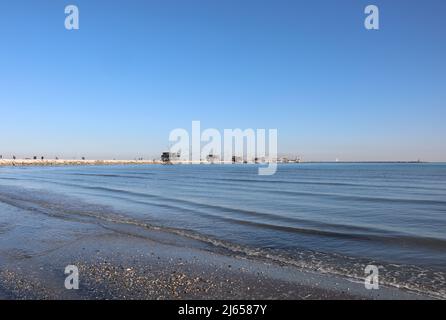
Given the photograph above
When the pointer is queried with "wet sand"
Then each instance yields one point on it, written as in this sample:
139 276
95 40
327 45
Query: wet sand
115 265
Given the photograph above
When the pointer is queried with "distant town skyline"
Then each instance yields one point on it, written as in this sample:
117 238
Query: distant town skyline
135 70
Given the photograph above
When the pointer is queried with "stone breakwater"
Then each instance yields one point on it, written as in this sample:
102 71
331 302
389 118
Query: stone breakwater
60 162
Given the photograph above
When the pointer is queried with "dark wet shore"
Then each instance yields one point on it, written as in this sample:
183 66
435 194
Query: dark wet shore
116 266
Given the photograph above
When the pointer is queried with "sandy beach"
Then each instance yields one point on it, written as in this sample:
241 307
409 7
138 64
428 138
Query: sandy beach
113 265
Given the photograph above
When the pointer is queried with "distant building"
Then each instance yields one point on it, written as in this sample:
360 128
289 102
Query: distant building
236 159
168 157
165 157
211 158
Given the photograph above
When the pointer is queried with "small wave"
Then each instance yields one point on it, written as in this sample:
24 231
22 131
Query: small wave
366 234
104 175
311 182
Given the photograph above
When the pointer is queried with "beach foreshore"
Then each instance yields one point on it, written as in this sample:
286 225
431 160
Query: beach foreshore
114 264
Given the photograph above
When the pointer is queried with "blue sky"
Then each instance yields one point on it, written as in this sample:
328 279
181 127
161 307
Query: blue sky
138 69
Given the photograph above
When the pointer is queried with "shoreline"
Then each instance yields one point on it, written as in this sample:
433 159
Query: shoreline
121 266
74 162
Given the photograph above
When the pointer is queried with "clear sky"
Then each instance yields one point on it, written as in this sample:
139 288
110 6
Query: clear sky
138 69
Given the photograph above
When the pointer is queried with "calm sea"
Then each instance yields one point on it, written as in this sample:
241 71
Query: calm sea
333 218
